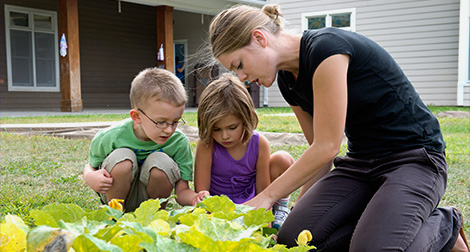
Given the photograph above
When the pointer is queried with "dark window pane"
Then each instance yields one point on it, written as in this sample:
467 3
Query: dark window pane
19 19
316 22
22 72
45 73
20 43
44 45
341 20
21 58
42 22
45 67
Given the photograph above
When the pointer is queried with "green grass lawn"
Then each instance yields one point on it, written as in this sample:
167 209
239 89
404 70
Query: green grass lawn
38 170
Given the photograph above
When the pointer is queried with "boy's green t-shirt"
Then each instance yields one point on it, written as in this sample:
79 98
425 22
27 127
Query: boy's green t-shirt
122 136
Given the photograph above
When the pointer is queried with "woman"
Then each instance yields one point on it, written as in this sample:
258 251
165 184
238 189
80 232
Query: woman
383 194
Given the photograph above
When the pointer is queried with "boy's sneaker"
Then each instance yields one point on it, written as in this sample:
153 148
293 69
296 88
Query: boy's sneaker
280 215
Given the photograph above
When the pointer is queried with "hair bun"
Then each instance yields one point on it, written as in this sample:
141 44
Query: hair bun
273 11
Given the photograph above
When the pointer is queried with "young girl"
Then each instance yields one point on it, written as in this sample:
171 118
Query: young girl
231 157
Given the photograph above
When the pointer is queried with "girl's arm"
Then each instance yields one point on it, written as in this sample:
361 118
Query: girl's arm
330 105
202 166
263 176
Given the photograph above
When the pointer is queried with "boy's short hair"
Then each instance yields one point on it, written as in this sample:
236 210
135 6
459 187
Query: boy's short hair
225 96
159 84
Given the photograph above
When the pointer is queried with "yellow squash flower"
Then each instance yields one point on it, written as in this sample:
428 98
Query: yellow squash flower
304 237
116 204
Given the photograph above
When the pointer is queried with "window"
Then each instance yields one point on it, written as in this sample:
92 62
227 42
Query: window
343 19
32 49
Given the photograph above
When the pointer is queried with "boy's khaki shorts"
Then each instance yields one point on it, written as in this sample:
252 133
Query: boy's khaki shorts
140 176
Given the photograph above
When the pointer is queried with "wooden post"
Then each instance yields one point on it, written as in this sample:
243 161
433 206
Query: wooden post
165 36
70 64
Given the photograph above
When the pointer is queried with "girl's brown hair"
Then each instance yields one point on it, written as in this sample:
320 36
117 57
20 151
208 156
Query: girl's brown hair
231 29
225 96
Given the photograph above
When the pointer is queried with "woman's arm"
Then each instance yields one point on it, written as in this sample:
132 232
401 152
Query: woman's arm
202 167
330 105
305 121
263 177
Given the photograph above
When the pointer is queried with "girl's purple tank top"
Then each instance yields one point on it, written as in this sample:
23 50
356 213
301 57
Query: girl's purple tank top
235 178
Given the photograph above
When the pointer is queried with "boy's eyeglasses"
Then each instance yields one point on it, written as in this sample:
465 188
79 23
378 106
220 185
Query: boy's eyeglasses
163 124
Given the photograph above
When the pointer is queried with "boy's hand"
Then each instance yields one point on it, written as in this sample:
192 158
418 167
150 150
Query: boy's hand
200 196
100 181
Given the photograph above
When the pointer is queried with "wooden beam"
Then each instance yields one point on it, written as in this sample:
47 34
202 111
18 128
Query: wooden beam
70 64
165 36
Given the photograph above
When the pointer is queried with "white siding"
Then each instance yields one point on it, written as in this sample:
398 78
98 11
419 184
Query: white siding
422 36
466 96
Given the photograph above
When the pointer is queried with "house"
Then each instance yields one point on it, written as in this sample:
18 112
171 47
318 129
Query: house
107 42
429 39
73 54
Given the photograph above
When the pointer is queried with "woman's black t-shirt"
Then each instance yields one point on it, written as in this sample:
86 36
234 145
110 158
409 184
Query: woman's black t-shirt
385 114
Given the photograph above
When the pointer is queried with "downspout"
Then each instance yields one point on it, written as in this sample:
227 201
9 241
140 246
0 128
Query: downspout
463 64
265 96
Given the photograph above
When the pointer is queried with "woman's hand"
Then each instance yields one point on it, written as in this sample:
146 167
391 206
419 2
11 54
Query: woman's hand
260 201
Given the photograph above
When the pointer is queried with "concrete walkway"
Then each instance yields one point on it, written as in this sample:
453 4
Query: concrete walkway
21 113
89 129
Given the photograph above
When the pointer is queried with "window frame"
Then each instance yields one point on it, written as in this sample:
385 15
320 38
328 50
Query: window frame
328 14
54 30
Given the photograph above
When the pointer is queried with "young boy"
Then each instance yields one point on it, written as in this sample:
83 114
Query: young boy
145 157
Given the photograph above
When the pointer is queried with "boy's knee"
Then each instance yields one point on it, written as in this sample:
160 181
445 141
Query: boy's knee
158 175
121 160
123 168
159 185
163 166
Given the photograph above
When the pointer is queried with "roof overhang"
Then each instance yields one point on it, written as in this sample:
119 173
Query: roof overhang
210 7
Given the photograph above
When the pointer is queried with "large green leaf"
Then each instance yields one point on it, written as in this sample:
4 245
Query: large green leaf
89 243
65 212
109 232
259 217
166 244
190 218
40 237
217 204
128 243
145 213
222 230
135 228
43 218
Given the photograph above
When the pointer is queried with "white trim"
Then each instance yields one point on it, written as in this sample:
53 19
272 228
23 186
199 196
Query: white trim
210 7
30 28
352 11
464 45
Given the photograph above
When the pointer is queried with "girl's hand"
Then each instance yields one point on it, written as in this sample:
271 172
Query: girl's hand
200 196
100 180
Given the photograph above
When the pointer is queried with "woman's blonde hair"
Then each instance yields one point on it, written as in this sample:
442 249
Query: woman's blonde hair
231 29
225 96
158 84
